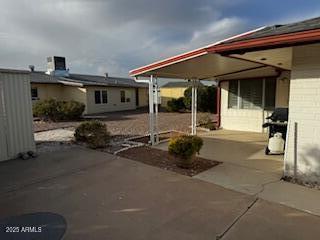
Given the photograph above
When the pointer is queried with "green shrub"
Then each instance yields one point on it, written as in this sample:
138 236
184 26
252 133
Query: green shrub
206 122
70 110
185 147
176 105
46 109
210 126
94 133
206 98
205 119
54 110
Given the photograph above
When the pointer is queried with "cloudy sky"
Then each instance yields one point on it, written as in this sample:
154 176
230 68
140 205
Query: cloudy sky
114 36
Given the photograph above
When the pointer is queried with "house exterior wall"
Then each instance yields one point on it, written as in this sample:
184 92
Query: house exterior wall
60 92
303 151
86 95
78 94
46 91
16 125
143 97
169 93
251 119
114 103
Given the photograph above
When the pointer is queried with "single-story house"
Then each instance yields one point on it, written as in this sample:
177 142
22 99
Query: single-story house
98 93
16 128
173 90
257 71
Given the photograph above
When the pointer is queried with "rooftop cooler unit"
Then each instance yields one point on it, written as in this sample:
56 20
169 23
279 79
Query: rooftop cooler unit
57 66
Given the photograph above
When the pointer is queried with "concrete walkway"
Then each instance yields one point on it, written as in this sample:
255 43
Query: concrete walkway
245 168
102 196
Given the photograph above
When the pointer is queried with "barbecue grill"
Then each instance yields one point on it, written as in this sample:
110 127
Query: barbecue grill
277 123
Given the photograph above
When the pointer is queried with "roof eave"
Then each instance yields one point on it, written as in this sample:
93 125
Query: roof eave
185 56
290 39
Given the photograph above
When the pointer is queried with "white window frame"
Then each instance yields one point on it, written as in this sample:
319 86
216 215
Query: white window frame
101 97
124 96
37 97
239 99
127 97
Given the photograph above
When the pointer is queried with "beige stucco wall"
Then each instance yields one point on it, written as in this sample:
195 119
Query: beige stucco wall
86 96
143 97
304 110
251 119
46 91
60 92
114 103
169 93
283 89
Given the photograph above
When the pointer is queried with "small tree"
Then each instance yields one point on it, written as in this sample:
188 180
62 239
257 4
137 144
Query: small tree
176 105
206 98
184 148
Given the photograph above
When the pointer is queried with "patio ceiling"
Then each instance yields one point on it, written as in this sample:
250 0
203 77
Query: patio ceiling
204 67
278 58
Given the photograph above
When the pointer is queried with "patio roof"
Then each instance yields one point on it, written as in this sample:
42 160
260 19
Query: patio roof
266 46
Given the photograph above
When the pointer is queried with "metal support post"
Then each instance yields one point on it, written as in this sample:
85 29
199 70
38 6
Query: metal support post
151 110
194 107
156 95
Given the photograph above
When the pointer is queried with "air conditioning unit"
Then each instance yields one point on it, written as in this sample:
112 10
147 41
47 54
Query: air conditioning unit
56 66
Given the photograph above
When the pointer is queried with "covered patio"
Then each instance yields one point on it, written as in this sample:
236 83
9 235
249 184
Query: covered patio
245 167
268 70
280 59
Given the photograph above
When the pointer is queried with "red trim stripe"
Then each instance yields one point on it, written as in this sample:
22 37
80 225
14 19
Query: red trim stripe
291 38
168 61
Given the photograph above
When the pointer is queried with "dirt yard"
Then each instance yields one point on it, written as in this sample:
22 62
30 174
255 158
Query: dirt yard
164 160
128 123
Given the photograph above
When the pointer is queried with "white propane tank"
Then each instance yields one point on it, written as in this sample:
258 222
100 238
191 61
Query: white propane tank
276 144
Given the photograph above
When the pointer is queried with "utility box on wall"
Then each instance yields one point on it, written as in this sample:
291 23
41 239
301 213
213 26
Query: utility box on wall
16 127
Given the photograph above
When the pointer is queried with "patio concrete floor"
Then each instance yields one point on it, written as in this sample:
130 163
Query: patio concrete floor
245 168
102 196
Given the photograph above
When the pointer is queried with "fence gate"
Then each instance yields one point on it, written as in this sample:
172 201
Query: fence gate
3 138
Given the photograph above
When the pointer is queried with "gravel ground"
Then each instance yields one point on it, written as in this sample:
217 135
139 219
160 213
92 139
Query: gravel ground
129 123
58 135
54 136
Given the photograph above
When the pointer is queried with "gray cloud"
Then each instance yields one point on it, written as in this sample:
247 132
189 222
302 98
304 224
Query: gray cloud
112 35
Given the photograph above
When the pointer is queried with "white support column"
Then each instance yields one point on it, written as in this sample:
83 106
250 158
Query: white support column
156 110
194 107
151 111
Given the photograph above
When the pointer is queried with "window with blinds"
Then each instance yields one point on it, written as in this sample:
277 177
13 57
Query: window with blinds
233 94
251 93
248 93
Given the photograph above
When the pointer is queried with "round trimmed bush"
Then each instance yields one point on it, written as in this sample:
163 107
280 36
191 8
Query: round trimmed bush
94 133
184 148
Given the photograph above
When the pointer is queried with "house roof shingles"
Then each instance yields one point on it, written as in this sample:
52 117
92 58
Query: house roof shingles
306 25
